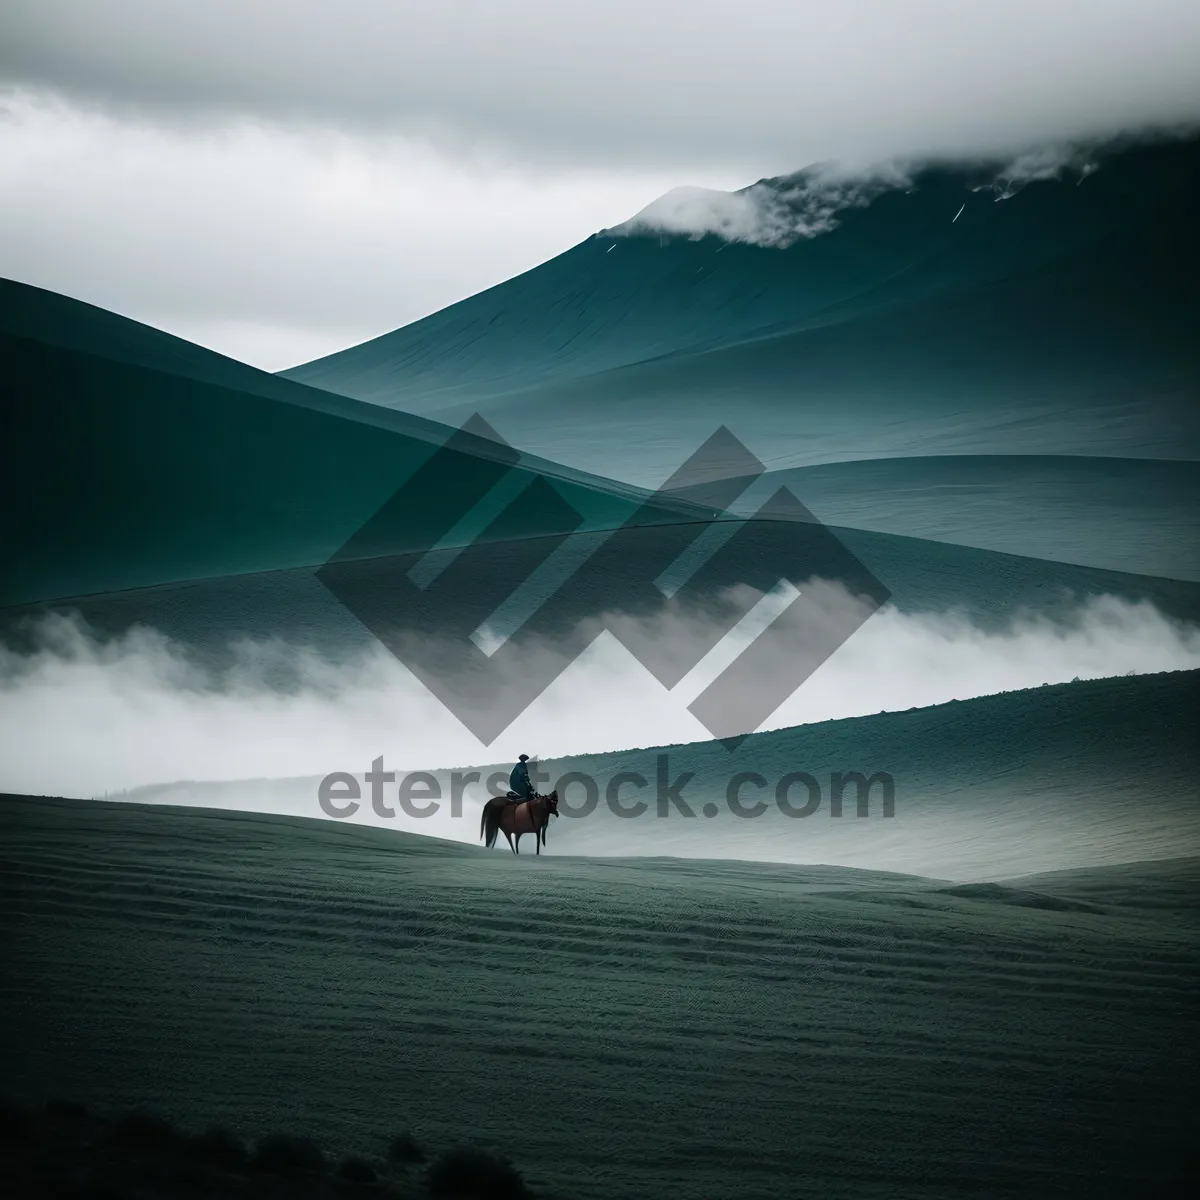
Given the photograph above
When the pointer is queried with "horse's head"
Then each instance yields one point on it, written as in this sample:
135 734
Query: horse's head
552 803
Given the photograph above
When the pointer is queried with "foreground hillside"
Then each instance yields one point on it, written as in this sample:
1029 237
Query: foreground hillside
638 1029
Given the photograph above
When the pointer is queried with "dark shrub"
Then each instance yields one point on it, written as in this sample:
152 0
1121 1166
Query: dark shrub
357 1170
16 1126
140 1128
81 1191
220 1146
187 1175
404 1149
72 1110
283 1154
469 1173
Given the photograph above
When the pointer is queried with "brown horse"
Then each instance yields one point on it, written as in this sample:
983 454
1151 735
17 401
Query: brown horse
513 818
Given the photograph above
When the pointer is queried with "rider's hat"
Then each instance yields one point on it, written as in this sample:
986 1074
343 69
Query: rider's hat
524 758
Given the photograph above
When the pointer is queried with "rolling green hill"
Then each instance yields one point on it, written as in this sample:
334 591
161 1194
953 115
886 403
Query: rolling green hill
622 1028
131 459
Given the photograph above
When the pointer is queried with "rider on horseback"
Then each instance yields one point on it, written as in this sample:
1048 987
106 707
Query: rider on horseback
518 780
520 811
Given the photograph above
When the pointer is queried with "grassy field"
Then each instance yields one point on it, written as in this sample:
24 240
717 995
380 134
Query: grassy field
635 1028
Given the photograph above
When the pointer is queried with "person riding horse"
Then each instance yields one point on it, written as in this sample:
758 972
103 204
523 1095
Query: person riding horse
519 812
519 785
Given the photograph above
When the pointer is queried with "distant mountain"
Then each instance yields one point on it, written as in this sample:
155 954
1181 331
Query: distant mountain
944 316
1139 516
131 458
149 482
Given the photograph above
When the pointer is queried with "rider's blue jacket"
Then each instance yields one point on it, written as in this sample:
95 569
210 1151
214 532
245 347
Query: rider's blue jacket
518 781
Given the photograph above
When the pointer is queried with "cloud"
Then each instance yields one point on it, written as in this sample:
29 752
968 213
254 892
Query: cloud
762 88
274 245
283 179
774 212
81 715
810 202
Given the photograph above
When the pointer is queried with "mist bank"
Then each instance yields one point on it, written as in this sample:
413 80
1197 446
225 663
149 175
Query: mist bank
990 763
84 713
1059 777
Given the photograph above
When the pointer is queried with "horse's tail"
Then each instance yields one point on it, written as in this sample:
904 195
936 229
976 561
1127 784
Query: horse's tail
489 824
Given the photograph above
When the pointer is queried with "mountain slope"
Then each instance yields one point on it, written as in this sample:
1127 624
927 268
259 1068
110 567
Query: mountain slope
131 458
1060 319
1140 516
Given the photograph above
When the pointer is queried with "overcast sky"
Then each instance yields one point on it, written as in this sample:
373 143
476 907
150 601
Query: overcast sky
280 178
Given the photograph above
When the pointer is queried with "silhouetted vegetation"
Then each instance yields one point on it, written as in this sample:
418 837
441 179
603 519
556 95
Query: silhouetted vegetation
71 1110
67 1153
357 1170
84 1191
16 1125
221 1147
404 1148
141 1128
285 1154
471 1173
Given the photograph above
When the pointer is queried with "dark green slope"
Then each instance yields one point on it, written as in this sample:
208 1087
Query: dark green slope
1089 321
130 459
1092 352
34 315
1100 272
1136 516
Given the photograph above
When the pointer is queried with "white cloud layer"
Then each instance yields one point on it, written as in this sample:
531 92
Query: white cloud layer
81 717
281 179
275 245
763 88
774 213
810 202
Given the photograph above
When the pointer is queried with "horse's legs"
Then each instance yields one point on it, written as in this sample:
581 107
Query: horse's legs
508 838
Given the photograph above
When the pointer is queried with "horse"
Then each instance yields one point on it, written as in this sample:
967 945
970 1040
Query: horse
501 814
